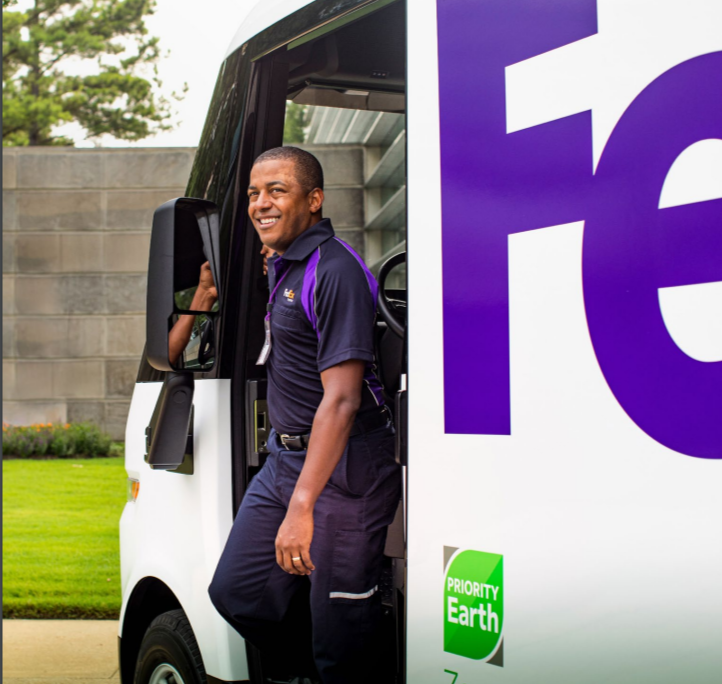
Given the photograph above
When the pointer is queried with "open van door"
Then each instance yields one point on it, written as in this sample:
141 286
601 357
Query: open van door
564 378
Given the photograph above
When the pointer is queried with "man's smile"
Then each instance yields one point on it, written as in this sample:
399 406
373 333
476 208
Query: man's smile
268 220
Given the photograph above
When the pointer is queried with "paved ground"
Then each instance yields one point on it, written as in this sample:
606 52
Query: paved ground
60 652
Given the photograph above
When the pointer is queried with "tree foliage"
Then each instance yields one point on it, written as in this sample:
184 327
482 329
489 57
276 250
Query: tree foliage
43 45
297 119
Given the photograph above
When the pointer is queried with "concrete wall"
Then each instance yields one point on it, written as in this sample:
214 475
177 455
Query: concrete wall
344 203
76 231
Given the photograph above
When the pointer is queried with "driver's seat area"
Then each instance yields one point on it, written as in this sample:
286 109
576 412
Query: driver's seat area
390 331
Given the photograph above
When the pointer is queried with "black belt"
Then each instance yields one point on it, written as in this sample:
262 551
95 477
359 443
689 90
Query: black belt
366 423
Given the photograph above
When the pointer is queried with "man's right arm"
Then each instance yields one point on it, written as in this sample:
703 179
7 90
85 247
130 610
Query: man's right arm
203 300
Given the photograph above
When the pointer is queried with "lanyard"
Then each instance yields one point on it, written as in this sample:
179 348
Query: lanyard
266 351
272 298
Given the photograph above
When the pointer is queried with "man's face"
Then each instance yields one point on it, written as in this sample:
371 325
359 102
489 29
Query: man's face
279 206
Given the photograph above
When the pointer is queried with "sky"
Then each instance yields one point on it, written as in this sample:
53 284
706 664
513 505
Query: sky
197 33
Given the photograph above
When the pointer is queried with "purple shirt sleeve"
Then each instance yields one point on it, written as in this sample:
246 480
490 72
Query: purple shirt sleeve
345 308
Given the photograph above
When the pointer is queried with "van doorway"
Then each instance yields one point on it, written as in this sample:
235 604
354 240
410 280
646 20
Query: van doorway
341 92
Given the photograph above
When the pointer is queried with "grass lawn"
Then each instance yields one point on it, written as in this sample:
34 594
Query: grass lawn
60 537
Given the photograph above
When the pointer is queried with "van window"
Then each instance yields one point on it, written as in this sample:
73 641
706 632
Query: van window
364 158
343 89
348 81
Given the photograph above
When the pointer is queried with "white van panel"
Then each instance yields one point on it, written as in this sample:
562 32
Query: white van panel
610 540
177 528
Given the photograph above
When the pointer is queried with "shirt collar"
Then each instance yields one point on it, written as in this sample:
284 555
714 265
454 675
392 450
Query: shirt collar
309 240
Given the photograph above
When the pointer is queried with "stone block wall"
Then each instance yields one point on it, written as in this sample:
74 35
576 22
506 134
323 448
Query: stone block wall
76 233
343 171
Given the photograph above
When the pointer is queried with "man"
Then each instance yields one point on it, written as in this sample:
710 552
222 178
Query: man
319 508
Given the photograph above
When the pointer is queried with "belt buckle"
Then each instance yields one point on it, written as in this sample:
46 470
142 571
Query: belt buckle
292 442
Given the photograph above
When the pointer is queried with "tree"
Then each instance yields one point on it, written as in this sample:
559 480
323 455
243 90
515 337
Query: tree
43 45
297 120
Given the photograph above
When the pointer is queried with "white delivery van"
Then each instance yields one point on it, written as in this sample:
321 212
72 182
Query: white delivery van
551 172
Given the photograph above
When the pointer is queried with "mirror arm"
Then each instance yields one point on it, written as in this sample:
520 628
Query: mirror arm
170 433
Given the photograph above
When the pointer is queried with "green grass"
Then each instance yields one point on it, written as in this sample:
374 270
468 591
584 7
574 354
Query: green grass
60 537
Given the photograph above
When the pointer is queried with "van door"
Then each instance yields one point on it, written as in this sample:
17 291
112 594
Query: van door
564 404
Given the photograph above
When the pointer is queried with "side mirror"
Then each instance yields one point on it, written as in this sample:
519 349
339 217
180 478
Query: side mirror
184 287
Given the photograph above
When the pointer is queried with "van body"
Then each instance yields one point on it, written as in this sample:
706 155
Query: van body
558 384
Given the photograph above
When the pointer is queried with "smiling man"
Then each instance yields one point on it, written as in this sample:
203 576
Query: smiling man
318 510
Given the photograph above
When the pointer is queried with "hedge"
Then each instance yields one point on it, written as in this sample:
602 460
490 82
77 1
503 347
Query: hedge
58 440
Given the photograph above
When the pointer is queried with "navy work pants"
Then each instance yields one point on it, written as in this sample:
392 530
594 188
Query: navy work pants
253 593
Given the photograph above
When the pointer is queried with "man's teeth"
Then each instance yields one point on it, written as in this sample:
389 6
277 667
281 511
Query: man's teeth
268 221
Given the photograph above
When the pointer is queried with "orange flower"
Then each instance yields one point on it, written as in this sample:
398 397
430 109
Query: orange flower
67 426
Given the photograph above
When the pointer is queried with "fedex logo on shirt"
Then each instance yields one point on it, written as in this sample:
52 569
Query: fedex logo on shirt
584 110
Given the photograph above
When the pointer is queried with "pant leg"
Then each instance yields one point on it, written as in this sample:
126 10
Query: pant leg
249 589
350 521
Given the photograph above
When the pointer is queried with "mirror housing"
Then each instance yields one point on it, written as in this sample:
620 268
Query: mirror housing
185 235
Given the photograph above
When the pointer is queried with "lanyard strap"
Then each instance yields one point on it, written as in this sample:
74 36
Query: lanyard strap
272 298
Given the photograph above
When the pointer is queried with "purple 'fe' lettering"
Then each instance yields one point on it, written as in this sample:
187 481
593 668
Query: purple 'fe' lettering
494 185
632 248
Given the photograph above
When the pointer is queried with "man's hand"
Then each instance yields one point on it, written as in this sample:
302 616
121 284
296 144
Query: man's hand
209 293
294 541
204 298
266 252
329 434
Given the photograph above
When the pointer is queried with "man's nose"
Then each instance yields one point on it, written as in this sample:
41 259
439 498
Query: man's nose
264 200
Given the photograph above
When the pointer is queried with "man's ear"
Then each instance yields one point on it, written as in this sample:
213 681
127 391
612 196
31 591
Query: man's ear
315 200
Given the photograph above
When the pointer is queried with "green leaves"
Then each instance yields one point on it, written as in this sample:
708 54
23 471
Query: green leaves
120 98
297 120
61 440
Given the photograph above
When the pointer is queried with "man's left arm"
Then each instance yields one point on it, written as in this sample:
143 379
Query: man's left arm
332 425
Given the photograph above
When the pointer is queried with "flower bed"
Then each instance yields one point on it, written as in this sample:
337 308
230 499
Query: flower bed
57 440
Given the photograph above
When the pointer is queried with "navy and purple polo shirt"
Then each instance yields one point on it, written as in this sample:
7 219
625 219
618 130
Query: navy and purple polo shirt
323 314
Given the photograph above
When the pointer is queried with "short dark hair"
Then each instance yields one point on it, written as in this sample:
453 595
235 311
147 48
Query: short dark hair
308 169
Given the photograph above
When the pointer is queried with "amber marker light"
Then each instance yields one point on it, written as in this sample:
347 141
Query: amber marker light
133 489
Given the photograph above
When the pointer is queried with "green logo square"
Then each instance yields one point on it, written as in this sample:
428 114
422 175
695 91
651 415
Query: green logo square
473 604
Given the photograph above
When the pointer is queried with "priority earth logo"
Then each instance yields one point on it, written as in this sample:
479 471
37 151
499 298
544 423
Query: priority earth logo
474 605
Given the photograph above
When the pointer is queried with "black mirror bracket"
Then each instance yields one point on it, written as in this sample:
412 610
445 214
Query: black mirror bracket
170 430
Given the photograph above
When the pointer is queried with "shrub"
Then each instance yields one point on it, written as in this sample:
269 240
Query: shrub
117 449
61 440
